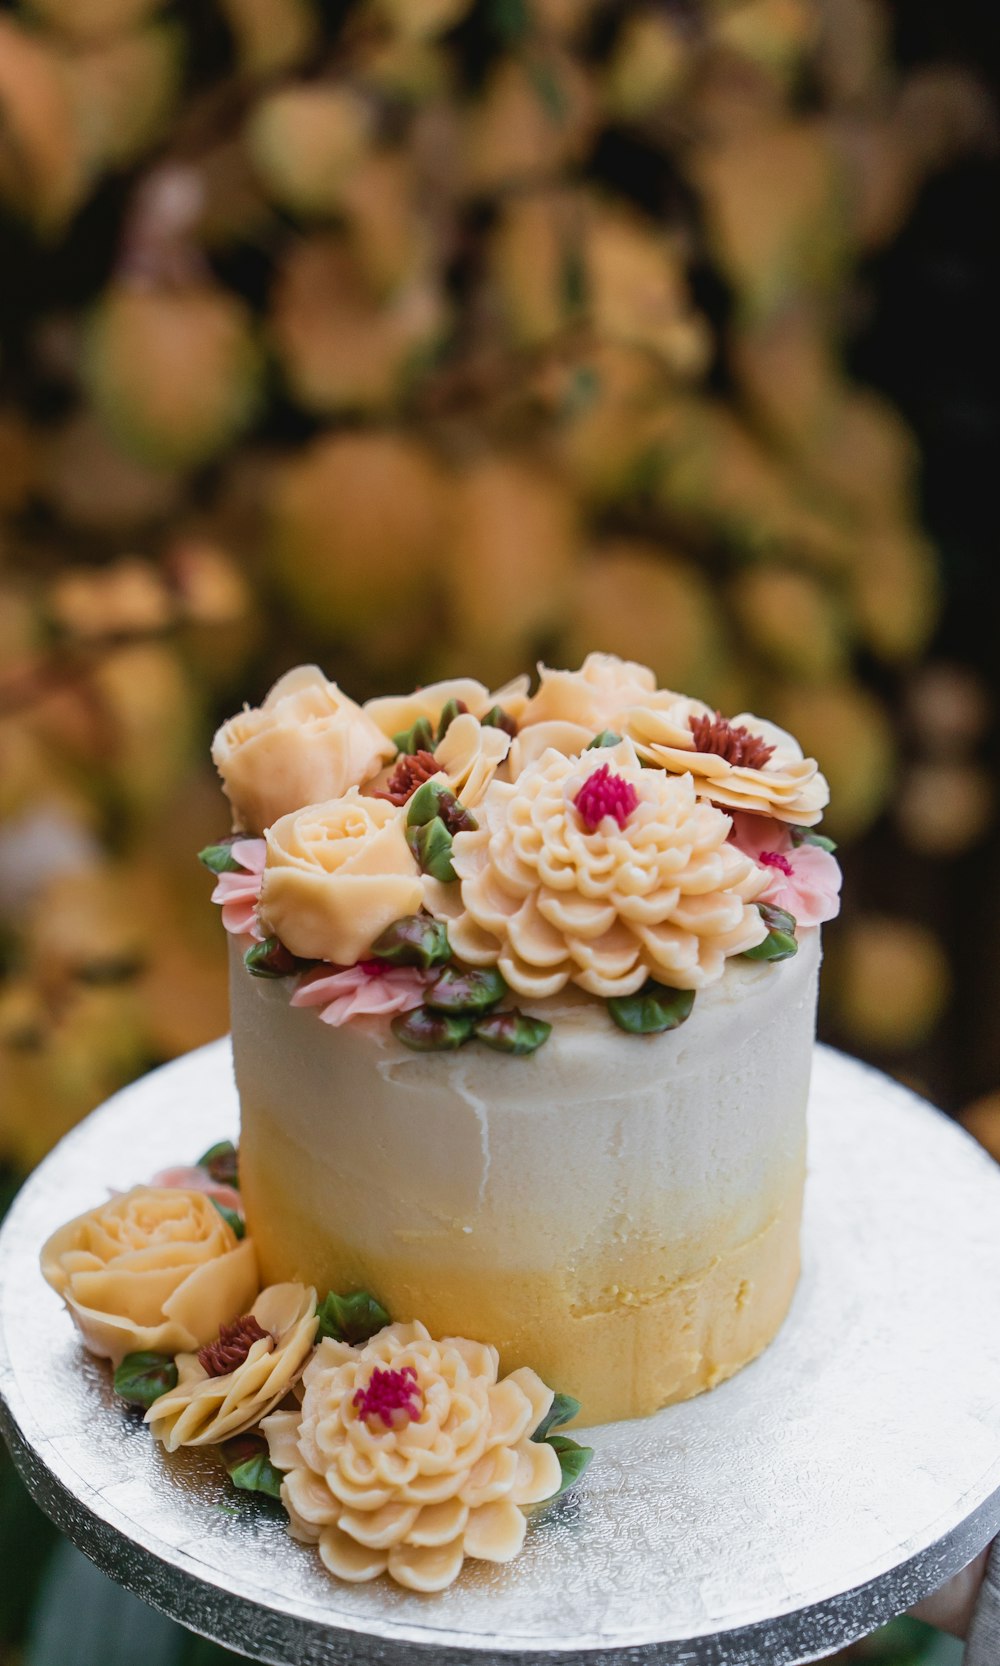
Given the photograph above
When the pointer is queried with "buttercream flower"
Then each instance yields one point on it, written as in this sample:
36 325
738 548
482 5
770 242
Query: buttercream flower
465 760
237 1379
597 872
593 697
740 763
470 755
395 714
369 990
239 892
196 1179
307 743
407 1455
801 878
154 1269
337 874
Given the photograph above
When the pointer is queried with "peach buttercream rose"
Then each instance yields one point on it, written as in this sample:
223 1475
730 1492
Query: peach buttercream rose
592 697
407 1455
740 763
236 1380
597 872
154 1268
396 714
308 742
336 875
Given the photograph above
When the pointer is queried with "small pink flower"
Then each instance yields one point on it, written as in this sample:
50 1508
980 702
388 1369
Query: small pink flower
239 893
363 991
804 879
198 1180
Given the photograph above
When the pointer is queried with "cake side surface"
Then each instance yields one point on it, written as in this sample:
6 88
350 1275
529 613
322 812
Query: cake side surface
622 1212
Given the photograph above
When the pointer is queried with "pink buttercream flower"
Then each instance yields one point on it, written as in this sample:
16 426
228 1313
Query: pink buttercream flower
368 990
198 1180
804 879
239 893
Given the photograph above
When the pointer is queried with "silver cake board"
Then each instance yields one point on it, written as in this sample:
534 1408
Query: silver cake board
825 1489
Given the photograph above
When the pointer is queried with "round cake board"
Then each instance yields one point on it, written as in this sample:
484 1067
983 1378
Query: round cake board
831 1484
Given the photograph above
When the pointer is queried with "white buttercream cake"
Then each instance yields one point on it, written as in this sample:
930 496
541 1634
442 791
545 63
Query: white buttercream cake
523 1007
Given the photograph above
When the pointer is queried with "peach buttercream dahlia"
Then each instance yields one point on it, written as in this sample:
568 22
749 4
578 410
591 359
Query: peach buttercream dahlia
407 1456
740 763
595 871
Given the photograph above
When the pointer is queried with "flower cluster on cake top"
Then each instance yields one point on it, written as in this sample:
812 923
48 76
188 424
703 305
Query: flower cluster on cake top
390 1450
430 858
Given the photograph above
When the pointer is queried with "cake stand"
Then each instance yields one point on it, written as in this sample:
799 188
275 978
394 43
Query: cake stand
826 1488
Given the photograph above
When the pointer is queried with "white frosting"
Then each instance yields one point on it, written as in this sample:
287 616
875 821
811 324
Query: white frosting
690 1138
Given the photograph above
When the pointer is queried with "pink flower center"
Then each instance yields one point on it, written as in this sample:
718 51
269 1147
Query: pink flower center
392 1398
372 968
605 794
774 859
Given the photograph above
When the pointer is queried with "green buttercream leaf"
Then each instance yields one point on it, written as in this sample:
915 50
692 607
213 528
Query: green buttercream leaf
562 1410
455 990
652 1009
806 836
249 1466
142 1378
607 737
219 858
777 919
232 1219
513 1032
433 1032
221 1161
415 940
497 718
351 1319
431 847
573 1460
271 959
418 739
780 942
449 711
434 801
777 945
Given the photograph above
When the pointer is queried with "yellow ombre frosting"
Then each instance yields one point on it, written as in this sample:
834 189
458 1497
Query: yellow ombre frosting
620 1213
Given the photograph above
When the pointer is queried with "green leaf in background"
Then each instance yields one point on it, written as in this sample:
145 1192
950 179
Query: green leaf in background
352 1319
449 711
142 1378
249 1466
607 737
652 1010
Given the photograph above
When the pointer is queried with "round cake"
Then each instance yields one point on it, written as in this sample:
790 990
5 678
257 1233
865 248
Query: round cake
620 1212
603 1181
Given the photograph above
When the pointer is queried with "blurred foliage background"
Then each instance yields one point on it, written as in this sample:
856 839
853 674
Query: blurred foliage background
424 336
